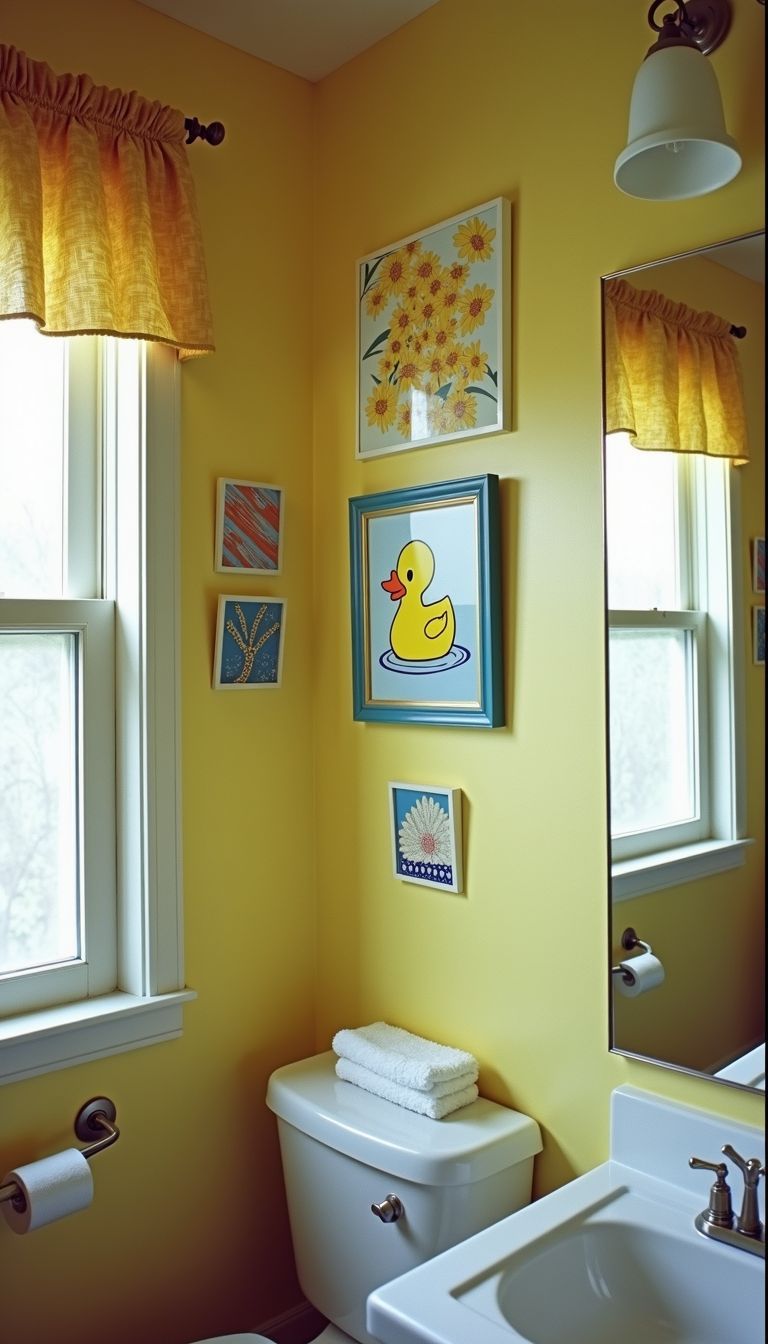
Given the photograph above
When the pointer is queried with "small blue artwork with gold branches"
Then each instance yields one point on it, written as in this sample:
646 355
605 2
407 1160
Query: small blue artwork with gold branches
249 643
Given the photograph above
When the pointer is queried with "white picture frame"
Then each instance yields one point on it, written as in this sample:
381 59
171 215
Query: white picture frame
426 835
249 527
250 637
399 318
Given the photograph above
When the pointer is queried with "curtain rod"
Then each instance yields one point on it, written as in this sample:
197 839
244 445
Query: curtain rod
738 332
213 134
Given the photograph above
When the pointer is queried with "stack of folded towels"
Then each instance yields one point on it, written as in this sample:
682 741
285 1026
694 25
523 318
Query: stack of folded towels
406 1069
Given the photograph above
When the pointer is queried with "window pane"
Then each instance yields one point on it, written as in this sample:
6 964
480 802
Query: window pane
641 526
38 800
32 402
652 736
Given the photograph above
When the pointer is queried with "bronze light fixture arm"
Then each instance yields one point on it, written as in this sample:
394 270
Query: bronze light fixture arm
703 24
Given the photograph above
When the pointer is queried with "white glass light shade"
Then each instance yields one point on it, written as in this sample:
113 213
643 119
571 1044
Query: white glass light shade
677 144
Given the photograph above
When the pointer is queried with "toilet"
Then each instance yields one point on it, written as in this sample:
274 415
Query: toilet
374 1190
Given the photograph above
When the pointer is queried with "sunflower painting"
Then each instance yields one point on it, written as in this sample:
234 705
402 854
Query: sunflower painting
425 826
432 334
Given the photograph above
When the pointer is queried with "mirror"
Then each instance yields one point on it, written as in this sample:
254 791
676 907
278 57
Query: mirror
685 717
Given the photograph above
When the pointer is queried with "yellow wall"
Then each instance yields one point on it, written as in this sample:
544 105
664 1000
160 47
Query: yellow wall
463 105
187 1235
700 927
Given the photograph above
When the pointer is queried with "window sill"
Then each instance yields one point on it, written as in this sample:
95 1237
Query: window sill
652 872
74 1033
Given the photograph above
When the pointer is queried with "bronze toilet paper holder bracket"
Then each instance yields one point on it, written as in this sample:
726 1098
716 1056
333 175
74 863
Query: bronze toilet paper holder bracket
95 1117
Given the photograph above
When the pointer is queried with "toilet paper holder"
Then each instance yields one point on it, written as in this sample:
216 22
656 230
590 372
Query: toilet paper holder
96 1116
630 940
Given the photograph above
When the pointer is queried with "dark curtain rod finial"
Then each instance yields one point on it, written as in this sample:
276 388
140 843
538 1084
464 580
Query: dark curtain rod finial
213 134
739 332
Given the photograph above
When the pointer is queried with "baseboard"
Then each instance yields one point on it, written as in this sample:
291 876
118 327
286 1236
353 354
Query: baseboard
299 1325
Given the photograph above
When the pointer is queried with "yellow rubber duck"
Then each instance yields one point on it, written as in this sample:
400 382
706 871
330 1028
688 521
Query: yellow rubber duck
420 630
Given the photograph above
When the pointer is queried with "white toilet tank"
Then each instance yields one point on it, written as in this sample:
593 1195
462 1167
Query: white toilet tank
344 1149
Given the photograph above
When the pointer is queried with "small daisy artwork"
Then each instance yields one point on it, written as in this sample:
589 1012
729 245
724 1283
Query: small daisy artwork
249 643
425 824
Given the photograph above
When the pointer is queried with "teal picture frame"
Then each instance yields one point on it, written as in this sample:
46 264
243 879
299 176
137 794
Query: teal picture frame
426 604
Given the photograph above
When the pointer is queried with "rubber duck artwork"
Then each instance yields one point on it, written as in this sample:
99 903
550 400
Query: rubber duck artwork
420 631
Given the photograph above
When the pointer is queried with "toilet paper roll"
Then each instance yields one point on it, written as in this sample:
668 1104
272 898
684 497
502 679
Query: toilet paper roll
639 974
52 1188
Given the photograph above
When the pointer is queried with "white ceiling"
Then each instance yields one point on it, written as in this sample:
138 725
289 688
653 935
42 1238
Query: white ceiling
745 255
308 37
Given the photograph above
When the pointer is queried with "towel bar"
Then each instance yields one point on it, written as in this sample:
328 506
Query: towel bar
95 1115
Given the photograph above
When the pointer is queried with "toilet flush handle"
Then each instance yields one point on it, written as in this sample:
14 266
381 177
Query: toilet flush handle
389 1210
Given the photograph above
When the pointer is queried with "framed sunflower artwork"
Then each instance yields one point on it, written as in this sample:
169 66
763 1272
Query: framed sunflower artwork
425 828
433 334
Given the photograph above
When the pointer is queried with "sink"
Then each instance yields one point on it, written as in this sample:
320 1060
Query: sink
612 1256
612 1274
749 1069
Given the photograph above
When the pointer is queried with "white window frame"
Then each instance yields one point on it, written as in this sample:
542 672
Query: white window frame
91 620
690 831
92 623
710 552
142 577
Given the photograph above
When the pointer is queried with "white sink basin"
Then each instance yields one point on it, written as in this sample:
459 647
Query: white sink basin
611 1258
613 1274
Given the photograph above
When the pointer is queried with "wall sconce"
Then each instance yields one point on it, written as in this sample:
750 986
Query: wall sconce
677 144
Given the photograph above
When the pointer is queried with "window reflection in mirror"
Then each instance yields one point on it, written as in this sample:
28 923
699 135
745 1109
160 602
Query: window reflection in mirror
685 713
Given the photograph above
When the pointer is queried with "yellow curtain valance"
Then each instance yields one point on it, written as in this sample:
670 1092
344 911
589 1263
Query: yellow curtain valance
98 224
672 375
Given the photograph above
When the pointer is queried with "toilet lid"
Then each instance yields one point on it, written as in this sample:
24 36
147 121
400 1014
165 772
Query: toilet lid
235 1339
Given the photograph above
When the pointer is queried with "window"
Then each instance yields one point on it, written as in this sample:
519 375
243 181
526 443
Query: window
90 945
57 754
673 669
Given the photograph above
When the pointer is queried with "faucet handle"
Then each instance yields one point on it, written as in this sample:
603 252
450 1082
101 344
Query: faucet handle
719 1167
750 1168
720 1211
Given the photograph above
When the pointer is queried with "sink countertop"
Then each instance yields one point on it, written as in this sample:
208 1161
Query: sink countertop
639 1206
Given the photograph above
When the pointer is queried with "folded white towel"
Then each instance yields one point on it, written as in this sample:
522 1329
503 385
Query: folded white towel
426 1103
445 1089
402 1057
